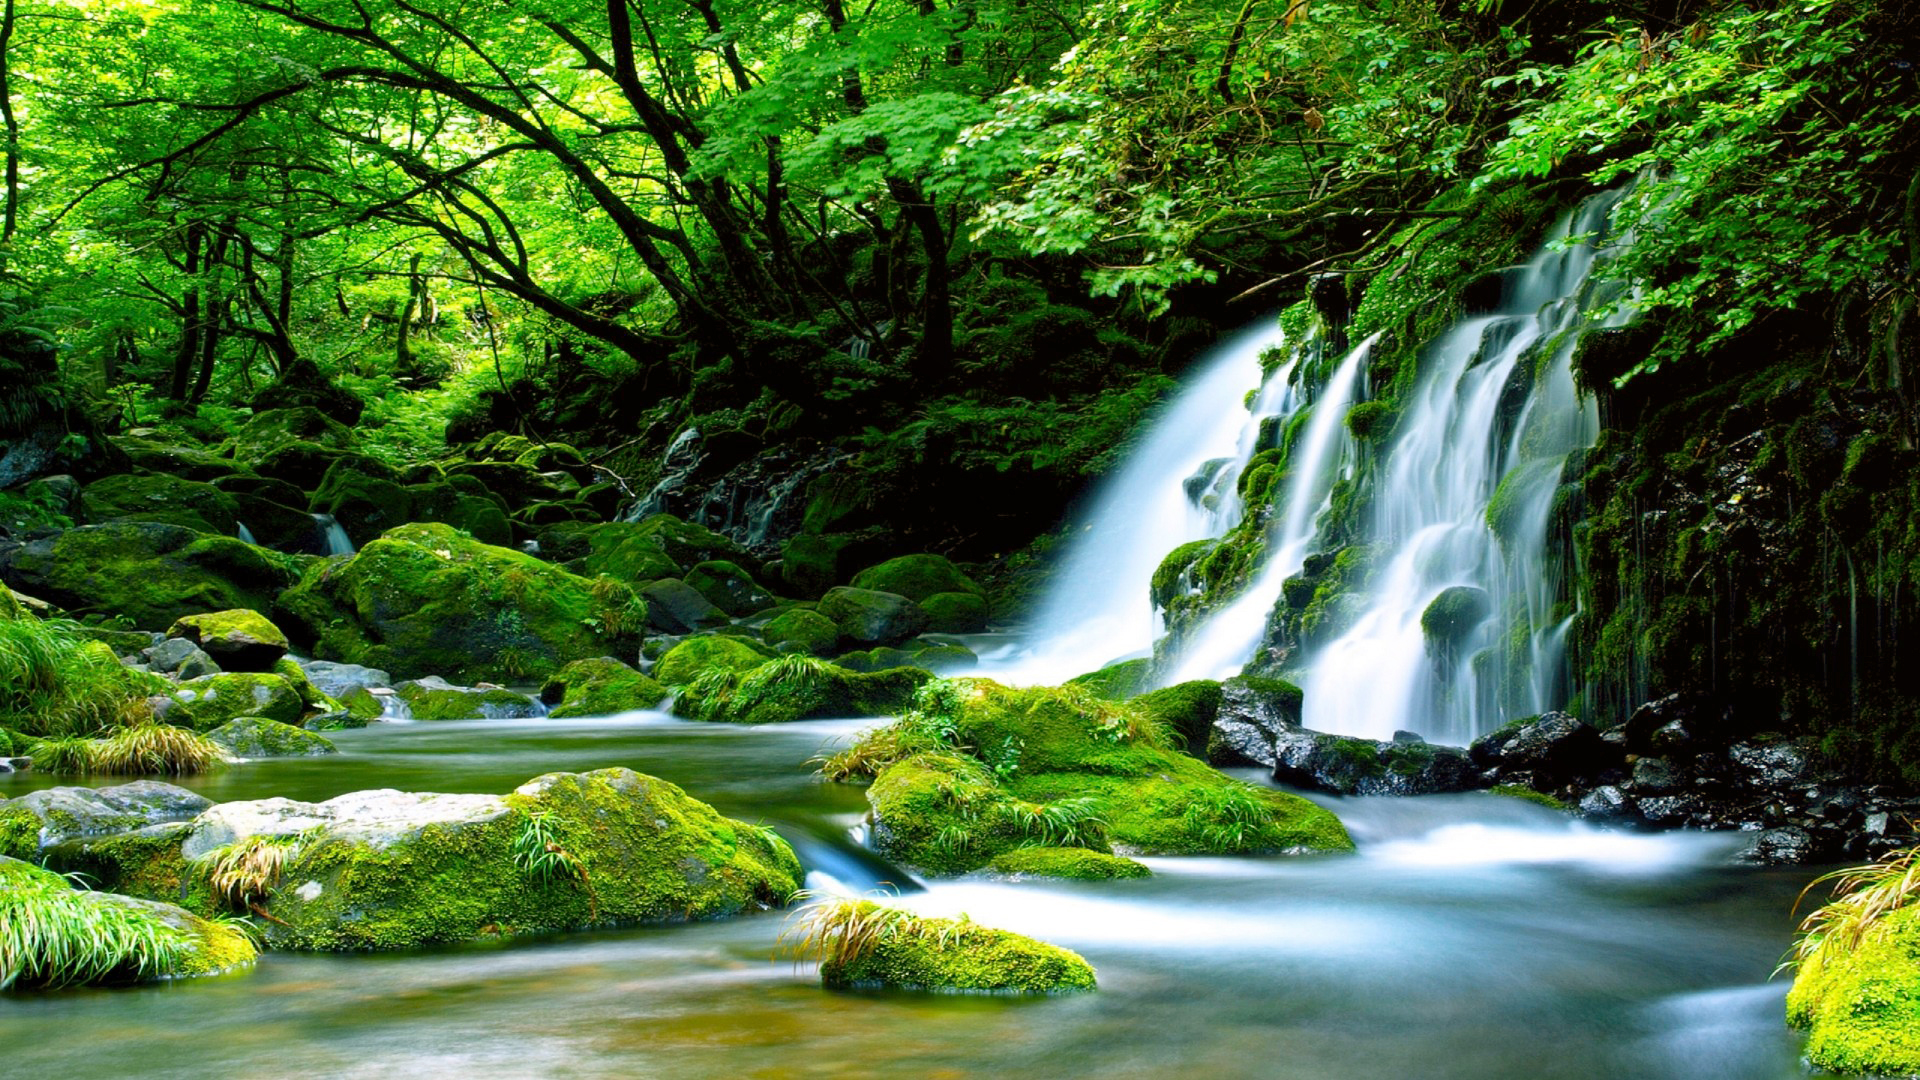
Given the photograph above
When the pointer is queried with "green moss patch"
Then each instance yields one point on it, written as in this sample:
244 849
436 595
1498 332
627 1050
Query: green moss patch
1077 864
1861 1007
697 656
798 688
601 686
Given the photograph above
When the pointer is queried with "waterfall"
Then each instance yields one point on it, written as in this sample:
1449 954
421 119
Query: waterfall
1221 646
1459 626
244 534
333 538
1178 485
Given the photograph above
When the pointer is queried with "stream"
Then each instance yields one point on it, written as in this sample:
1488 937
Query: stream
1473 937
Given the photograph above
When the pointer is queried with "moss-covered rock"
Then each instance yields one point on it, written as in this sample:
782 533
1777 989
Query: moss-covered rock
916 577
982 770
625 552
148 572
258 737
689 544
695 656
869 618
1860 1006
212 700
912 953
1077 864
126 939
434 698
168 500
395 870
807 628
798 688
1118 682
675 607
599 687
955 613
427 598
238 639
40 820
365 501
1187 711
729 587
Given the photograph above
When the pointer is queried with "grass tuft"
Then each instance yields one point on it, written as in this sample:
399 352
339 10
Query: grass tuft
53 936
1863 896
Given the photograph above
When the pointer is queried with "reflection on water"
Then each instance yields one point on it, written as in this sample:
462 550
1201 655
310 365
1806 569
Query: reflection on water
1475 937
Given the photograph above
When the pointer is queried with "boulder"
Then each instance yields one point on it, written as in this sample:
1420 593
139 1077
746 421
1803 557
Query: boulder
1076 864
916 577
150 573
912 953
42 819
601 686
426 598
1552 749
675 607
171 654
148 451
338 680
799 688
1349 766
955 613
257 737
168 500
238 639
729 588
212 700
1859 999
434 698
1252 715
869 618
693 657
812 631
365 498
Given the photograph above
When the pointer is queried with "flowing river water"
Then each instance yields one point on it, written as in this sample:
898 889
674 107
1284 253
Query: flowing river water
1473 936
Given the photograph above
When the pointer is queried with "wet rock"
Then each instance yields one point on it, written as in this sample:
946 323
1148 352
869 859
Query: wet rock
167 656
870 618
1607 803
434 698
338 680
675 607
1348 766
1781 846
1553 748
239 640
1654 776
254 737
1773 765
42 819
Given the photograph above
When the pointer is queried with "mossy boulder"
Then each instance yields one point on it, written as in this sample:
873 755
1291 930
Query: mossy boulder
366 500
955 612
237 639
315 699
398 870
916 577
1860 1006
809 629
267 432
206 703
912 953
1185 710
984 769
1118 682
599 687
148 572
434 698
41 820
426 598
165 499
869 618
689 544
798 688
695 656
624 552
128 939
813 564
1077 864
258 737
1453 616
729 587
675 607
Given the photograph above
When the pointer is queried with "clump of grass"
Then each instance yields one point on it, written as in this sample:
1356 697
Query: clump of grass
66 754
52 935
1231 817
54 682
873 752
244 874
1077 822
154 749
841 931
538 853
1863 896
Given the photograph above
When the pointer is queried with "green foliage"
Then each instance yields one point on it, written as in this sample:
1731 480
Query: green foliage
53 935
55 682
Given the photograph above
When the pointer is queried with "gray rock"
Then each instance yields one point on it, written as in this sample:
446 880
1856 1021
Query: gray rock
171 653
378 819
196 665
1348 766
337 680
434 698
256 737
675 607
1775 765
1607 803
1654 776
71 813
1785 845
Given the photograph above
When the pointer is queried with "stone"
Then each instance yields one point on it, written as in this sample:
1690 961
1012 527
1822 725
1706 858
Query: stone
1253 714
869 618
1607 803
1654 776
729 588
165 499
338 680
1786 845
254 737
197 665
42 819
955 613
210 701
168 655
675 607
599 687
238 639
916 577
147 572
1349 766
812 631
434 698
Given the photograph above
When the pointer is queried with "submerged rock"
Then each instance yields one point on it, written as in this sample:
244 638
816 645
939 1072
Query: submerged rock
914 953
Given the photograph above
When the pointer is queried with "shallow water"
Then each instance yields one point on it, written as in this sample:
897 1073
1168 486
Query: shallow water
1474 937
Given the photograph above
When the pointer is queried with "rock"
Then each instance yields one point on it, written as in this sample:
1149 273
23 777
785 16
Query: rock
870 618
193 946
1654 776
799 688
41 819
686 543
150 573
366 501
168 655
1774 765
239 640
729 588
1348 766
399 870
1553 748
434 698
916 577
167 500
813 564
675 607
1781 846
1077 864
1859 1001
1451 621
693 657
622 551
197 665
1188 710
599 687
955 613
426 598
946 954
1118 682
811 630
1253 713
210 701
1607 803
338 680
257 737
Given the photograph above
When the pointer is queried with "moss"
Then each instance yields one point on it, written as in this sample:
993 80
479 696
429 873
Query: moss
952 954
1371 420
254 737
145 862
110 939
1077 864
1187 710
695 656
237 639
212 700
1527 794
1861 1008
625 553
649 853
1173 569
955 613
1118 682
149 573
1454 615
599 687
916 577
798 688
436 699
426 598
165 499
809 629
729 587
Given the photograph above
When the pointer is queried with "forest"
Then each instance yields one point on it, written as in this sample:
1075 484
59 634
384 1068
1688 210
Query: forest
1368 531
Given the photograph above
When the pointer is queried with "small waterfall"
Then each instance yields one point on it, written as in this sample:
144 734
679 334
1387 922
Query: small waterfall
677 464
1223 643
1460 624
1178 485
333 538
245 534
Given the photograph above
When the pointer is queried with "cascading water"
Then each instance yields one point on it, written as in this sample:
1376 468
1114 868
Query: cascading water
1460 624
1221 646
333 538
1178 486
